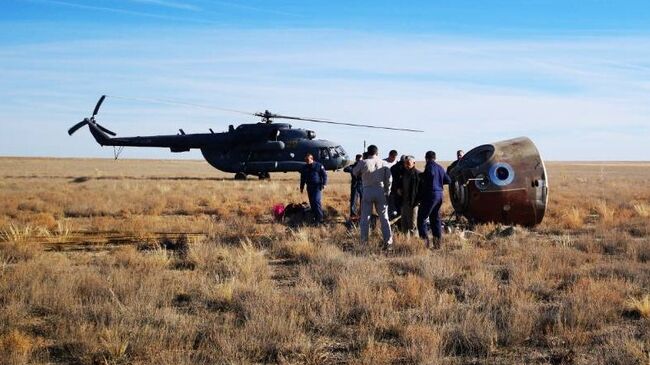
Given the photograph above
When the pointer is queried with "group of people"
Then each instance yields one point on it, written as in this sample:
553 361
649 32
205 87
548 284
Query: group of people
395 189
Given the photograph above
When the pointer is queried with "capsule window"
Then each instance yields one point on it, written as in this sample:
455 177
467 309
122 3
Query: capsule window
501 174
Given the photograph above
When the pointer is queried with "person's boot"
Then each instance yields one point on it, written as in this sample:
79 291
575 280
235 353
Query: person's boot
388 247
436 243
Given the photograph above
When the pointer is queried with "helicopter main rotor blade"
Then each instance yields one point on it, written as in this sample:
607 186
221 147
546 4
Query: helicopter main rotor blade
367 126
277 116
348 124
267 116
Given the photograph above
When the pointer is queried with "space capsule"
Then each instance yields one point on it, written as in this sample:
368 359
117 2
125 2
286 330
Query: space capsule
503 182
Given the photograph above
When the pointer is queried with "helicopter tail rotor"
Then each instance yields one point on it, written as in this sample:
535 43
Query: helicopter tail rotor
91 120
98 105
105 130
76 127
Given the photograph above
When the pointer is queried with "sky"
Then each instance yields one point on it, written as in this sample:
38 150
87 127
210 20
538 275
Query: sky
574 76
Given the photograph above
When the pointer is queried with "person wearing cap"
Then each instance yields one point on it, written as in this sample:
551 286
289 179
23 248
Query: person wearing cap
376 178
314 176
431 194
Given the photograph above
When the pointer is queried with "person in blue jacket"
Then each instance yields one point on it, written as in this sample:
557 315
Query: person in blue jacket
431 192
313 175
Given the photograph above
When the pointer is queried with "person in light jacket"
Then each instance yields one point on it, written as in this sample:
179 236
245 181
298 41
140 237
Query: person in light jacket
376 178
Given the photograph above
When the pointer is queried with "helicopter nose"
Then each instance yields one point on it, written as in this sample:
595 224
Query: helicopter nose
344 162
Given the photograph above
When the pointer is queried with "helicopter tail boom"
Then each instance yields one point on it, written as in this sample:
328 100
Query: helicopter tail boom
176 143
98 133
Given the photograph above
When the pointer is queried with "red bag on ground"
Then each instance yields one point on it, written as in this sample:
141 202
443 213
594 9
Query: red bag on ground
278 211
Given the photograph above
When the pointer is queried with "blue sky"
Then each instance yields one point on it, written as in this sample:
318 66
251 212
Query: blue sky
572 75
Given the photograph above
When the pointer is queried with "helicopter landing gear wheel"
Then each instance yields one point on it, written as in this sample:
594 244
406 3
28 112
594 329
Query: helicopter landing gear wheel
240 176
264 176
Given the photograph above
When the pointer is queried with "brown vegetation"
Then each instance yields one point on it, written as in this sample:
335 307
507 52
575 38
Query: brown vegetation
149 262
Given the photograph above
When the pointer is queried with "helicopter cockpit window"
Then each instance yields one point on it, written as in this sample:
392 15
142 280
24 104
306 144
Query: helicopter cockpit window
340 151
324 155
333 152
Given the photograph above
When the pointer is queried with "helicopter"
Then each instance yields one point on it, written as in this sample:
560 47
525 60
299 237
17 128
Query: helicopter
249 149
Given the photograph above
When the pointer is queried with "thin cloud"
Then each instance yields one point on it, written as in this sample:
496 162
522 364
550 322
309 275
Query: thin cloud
169 4
121 11
255 8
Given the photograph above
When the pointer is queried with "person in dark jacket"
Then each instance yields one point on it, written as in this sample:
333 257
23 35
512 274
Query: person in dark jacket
356 188
431 193
459 156
408 191
313 175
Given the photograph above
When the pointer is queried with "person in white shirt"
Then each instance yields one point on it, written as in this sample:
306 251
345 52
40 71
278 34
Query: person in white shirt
392 158
376 178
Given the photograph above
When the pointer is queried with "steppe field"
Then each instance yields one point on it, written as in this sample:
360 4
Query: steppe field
173 262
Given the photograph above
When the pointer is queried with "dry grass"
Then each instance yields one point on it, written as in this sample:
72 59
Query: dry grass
642 210
639 307
14 233
573 218
149 262
16 347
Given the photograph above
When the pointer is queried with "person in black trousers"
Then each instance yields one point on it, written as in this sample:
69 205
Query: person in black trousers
313 175
356 189
431 193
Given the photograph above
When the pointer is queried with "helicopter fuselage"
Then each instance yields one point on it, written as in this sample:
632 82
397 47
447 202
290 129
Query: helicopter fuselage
282 149
255 149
